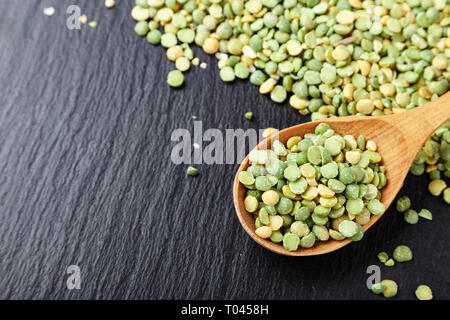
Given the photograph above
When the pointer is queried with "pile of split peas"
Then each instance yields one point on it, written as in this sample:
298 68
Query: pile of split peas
327 58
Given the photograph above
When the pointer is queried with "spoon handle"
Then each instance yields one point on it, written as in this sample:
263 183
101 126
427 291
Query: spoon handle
420 123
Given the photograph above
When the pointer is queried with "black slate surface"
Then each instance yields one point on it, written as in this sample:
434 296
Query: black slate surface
86 178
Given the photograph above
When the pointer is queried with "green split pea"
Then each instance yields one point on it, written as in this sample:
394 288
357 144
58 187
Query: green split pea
191 171
175 78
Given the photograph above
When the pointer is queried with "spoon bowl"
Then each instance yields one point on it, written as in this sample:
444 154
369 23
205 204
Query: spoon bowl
398 137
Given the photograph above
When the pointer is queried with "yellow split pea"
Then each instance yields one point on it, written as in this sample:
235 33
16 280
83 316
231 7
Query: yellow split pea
348 91
324 191
293 47
340 53
307 170
292 141
269 131
211 46
83 19
371 145
270 197
249 52
164 14
182 64
345 17
174 53
328 202
310 193
275 222
264 232
110 3
365 106
436 187
311 181
251 204
364 67
140 14
267 86
387 89
298 103
353 157
287 192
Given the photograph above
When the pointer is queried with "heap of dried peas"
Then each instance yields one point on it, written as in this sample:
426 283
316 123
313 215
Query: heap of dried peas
327 58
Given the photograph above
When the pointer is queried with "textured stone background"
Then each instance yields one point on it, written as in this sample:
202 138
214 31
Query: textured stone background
85 178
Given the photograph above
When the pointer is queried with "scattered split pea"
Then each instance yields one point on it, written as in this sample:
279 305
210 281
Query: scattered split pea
191 171
424 292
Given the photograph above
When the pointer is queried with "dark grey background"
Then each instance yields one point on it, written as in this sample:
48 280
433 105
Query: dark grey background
86 178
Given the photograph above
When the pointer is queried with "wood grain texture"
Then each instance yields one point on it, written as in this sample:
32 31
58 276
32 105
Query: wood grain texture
85 178
398 137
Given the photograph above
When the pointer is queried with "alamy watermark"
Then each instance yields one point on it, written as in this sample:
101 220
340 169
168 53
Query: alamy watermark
74 279
375 275
229 146
73 17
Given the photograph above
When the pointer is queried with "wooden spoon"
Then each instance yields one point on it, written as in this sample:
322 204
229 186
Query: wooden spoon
399 138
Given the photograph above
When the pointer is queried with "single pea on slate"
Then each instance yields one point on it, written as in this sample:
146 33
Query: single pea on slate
175 78
446 195
390 289
411 216
403 203
426 214
424 292
402 253
248 115
389 263
191 171
383 257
